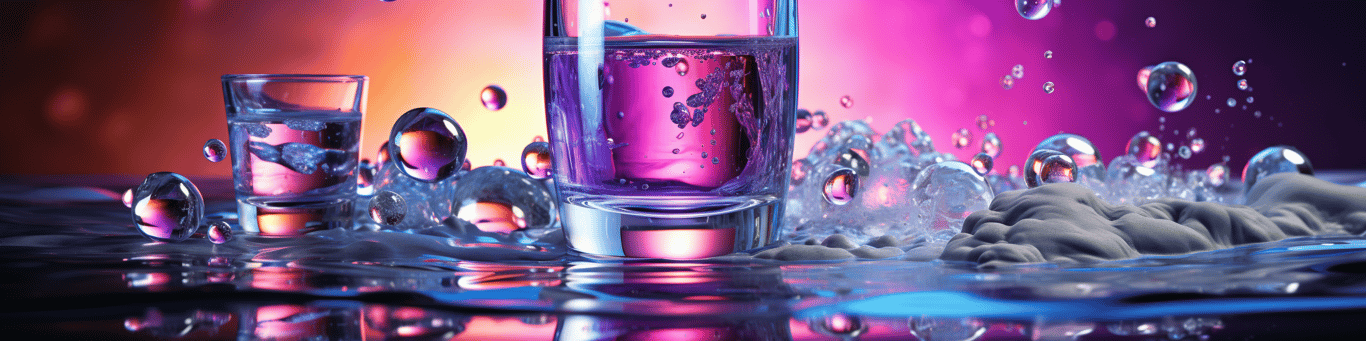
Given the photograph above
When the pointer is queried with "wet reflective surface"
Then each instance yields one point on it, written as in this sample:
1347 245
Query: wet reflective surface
81 270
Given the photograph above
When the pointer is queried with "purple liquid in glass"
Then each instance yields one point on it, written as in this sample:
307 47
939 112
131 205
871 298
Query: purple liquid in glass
730 121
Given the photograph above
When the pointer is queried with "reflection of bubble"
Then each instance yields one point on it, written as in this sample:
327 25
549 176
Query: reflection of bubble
1058 168
841 186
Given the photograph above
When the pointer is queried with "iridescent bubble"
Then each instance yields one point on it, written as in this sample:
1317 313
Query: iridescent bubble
846 101
984 123
1232 102
128 198
1171 86
668 91
1197 145
388 208
1150 22
1239 67
1048 87
501 200
219 232
1078 148
991 145
536 160
1184 152
214 150
167 207
1218 174
1143 78
1242 84
1034 166
1249 100
1048 54
961 138
1017 71
981 163
1170 146
493 97
1276 159
803 122
682 67
427 144
819 120
1033 9
799 170
1007 82
841 186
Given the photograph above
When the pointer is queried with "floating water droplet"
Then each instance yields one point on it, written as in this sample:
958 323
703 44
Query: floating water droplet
704 15
846 101
1170 146
501 200
388 208
668 91
841 186
536 160
214 150
1276 159
682 67
1162 119
704 155
1171 86
803 122
799 170
1143 75
128 198
1239 67
1007 82
1242 84
1218 174
1197 145
1184 152
715 160
1048 87
1249 100
1033 9
1048 54
1017 71
219 232
1232 102
493 97
981 163
984 123
991 145
1257 114
1150 22
1082 152
167 207
1190 133
819 120
427 144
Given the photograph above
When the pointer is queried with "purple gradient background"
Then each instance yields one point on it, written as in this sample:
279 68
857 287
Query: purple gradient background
131 87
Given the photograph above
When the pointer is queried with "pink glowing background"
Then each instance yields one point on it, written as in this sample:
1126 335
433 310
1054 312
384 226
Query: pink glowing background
132 87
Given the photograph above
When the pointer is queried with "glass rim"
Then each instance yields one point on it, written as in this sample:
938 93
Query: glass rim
294 77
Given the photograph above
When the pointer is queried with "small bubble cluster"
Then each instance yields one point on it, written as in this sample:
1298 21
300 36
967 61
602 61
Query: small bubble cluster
1017 71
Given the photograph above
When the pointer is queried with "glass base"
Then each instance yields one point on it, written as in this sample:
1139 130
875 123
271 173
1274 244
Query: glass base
599 232
294 218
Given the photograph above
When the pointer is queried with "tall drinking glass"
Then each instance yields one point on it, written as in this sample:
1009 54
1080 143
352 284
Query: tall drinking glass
294 141
670 123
